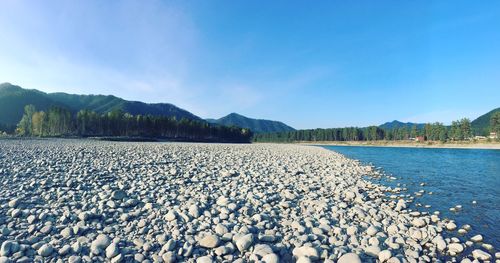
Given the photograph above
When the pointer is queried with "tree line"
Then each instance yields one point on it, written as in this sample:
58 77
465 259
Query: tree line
58 121
458 131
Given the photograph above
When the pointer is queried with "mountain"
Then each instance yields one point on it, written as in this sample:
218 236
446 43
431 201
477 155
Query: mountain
256 125
481 125
14 98
397 124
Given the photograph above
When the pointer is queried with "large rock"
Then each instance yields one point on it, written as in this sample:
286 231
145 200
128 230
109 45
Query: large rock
305 251
455 248
481 255
271 258
112 250
8 248
244 242
204 259
349 258
194 211
14 202
418 222
118 194
45 250
171 216
209 241
477 238
451 226
371 231
262 249
101 242
384 255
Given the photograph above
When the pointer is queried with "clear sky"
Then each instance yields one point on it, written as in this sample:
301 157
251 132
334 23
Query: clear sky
307 63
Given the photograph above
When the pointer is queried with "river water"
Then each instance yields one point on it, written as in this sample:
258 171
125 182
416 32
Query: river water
454 176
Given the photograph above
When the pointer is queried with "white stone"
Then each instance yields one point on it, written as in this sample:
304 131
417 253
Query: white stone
204 259
451 226
384 255
306 251
481 255
45 250
244 242
477 238
455 248
418 222
209 241
349 258
101 242
112 250
271 258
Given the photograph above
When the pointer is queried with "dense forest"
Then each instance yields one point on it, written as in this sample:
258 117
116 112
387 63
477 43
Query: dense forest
458 131
58 121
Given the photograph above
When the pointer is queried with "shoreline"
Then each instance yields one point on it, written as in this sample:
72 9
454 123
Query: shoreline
485 146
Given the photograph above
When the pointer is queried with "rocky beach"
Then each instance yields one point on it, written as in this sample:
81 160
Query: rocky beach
94 201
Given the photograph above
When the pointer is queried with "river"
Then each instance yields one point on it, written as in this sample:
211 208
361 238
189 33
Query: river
454 176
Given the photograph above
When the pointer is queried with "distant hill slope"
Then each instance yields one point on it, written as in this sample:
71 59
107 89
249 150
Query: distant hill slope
256 125
481 125
398 124
14 98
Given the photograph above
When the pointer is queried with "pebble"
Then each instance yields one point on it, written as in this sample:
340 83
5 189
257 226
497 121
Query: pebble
74 259
271 258
372 251
204 259
455 248
349 258
244 242
477 238
168 257
112 250
418 222
481 255
309 252
371 231
118 194
101 242
171 216
384 255
45 250
8 248
451 226
209 241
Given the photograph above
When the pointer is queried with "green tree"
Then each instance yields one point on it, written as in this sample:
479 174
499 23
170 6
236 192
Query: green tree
413 132
465 127
39 124
25 127
495 123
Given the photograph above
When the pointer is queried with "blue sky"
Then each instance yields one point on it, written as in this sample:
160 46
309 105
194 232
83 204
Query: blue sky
308 64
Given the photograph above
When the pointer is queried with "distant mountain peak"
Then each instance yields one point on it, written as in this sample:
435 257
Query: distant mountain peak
399 124
256 125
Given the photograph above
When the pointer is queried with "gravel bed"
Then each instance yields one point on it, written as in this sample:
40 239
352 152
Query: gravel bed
93 201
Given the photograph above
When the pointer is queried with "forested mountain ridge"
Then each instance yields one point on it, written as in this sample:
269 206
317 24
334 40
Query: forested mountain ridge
481 125
398 124
14 98
256 125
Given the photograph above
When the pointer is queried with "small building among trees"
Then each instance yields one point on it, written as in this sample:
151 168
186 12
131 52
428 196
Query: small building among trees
420 139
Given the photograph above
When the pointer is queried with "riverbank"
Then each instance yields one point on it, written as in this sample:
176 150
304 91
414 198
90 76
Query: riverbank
453 145
209 203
